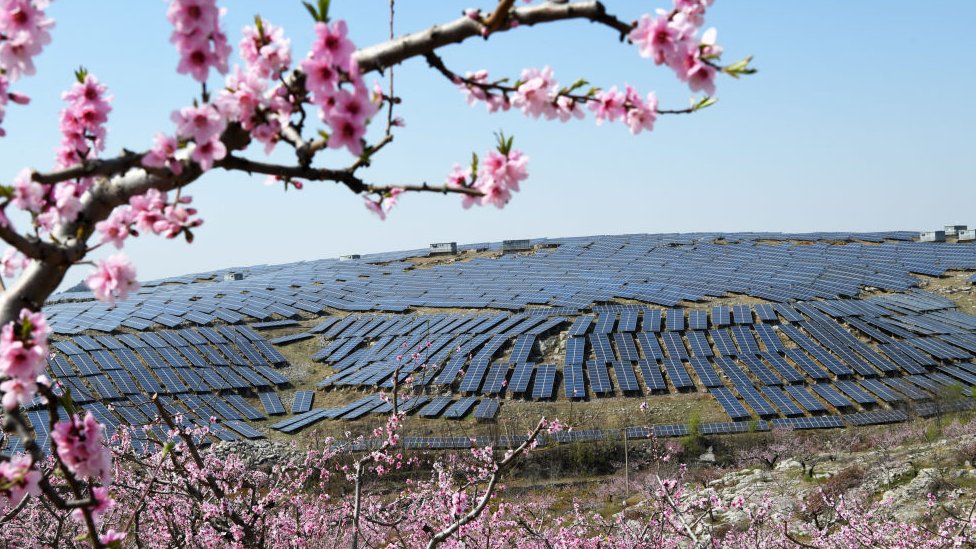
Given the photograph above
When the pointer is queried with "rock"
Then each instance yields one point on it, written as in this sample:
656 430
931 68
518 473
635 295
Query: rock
909 501
708 456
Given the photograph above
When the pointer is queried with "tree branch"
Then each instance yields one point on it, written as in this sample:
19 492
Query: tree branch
394 52
345 176
500 470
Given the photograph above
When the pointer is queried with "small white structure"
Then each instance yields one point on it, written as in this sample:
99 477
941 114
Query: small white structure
509 246
967 235
233 276
349 257
439 248
932 236
953 230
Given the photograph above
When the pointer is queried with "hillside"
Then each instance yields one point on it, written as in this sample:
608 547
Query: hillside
653 334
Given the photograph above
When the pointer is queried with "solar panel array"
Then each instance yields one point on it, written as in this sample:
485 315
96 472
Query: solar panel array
807 351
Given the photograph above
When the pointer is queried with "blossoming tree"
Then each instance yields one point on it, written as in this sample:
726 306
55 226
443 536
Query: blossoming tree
272 99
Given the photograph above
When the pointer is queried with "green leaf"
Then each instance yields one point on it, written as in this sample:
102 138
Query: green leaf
80 74
67 401
311 9
324 10
740 67
577 85
260 26
704 103
474 165
6 191
25 329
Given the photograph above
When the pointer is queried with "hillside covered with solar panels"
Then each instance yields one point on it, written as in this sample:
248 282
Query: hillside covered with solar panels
747 331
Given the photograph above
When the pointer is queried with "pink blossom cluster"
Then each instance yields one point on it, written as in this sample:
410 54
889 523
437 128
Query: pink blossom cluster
23 357
627 106
329 65
12 262
23 34
246 97
82 125
81 447
670 38
384 204
203 124
82 122
265 49
537 94
201 43
113 278
150 213
496 179
18 478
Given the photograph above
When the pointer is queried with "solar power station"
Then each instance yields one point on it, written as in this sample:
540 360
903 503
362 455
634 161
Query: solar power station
792 341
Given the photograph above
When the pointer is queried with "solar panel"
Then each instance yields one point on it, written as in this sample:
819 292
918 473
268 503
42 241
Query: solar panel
599 377
697 320
545 382
721 316
605 322
243 406
882 391
628 320
758 369
495 381
302 402
676 320
855 391
832 396
745 339
781 401
731 405
652 320
769 338
573 381
674 345
805 363
435 407
649 346
742 314
699 344
626 378
460 408
243 429
706 372
626 349
272 404
653 379
678 375
756 401
580 326
723 342
522 349
879 417
487 409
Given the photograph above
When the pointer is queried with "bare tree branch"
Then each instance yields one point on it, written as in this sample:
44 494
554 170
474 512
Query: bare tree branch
387 54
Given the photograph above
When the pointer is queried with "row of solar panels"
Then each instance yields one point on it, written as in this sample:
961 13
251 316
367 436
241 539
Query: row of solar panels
224 416
422 405
842 395
878 417
572 275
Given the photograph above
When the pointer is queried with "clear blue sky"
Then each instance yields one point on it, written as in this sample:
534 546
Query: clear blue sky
860 119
